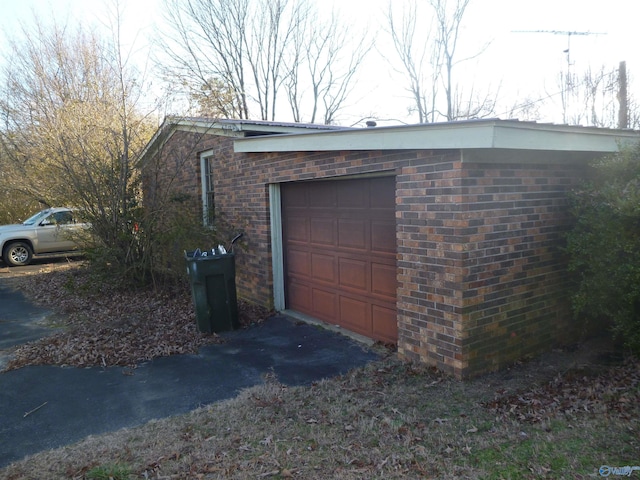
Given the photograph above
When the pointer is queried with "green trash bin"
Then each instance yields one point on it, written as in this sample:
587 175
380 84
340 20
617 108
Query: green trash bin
213 288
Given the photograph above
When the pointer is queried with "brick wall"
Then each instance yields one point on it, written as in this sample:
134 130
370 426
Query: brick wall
516 282
483 279
481 276
431 263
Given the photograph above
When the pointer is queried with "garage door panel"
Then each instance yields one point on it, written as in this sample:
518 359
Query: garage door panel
298 229
323 194
384 323
353 273
323 267
324 304
340 253
352 234
354 314
296 194
383 193
298 262
384 280
300 297
383 237
352 198
322 231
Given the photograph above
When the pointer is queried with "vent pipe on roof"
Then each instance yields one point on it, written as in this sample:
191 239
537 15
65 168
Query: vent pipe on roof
371 124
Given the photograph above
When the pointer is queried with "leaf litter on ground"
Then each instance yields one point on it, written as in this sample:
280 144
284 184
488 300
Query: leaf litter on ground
108 326
612 392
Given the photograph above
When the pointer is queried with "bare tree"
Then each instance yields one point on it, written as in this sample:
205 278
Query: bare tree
448 23
600 94
416 57
469 104
322 68
204 46
634 114
264 51
242 44
428 59
526 108
270 40
213 99
589 97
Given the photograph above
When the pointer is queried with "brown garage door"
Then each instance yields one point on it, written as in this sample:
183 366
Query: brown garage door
340 253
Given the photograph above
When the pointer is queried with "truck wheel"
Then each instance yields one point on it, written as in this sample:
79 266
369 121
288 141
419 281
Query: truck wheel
17 254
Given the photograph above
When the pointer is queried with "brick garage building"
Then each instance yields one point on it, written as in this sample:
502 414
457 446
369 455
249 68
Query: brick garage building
442 238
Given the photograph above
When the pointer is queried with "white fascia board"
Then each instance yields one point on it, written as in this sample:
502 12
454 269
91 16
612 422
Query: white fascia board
436 137
561 138
489 134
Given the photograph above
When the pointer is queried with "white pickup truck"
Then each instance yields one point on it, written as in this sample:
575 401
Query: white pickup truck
49 233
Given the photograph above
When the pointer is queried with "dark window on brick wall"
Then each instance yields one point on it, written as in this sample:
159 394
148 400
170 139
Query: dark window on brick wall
208 197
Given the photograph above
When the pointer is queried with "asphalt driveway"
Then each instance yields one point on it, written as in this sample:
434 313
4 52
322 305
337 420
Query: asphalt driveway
45 407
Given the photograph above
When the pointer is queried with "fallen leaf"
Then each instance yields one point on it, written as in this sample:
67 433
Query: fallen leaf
114 326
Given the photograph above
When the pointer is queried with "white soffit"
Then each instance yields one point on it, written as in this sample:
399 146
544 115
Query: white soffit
473 134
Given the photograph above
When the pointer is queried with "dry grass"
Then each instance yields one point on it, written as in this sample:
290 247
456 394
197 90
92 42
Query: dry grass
387 420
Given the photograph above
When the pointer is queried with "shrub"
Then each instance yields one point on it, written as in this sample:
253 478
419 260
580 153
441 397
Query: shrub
149 249
604 245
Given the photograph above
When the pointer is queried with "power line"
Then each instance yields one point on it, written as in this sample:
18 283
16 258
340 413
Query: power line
529 103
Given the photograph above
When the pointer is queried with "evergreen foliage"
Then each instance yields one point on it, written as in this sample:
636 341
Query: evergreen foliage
605 245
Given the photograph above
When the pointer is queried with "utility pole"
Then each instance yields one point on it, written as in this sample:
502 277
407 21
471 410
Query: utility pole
623 113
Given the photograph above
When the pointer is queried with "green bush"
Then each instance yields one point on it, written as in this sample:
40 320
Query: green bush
604 245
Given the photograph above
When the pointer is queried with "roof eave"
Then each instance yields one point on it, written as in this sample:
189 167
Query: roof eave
482 134
223 127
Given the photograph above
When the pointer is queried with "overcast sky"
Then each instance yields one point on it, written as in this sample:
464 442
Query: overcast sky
519 64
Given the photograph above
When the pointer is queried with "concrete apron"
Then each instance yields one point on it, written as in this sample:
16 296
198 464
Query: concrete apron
45 407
